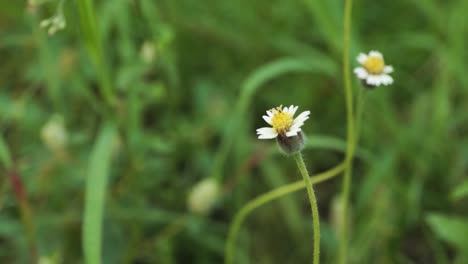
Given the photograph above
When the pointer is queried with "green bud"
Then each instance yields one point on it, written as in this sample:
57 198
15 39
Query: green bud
291 145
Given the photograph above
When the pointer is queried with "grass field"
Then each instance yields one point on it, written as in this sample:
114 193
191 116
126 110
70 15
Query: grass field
109 122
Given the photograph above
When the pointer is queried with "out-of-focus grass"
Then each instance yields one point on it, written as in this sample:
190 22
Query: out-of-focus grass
172 112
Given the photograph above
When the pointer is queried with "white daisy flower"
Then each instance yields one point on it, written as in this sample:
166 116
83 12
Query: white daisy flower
373 71
282 122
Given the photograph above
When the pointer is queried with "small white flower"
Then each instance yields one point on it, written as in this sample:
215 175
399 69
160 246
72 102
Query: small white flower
282 122
148 52
204 196
373 69
54 23
54 134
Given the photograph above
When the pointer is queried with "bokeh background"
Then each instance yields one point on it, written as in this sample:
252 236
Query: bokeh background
177 70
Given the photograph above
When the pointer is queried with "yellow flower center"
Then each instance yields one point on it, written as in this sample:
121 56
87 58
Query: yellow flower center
281 121
374 65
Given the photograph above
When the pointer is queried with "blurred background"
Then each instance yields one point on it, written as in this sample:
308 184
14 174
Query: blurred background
152 97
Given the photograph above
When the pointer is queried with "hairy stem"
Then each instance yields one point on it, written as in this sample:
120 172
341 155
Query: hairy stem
266 198
313 205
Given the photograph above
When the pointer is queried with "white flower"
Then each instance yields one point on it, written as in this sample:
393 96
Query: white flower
204 196
148 52
54 23
54 134
373 69
282 122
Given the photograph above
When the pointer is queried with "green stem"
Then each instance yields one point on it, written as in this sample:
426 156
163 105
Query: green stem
266 198
313 205
350 133
95 48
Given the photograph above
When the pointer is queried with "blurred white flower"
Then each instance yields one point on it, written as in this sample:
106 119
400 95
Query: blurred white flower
336 215
54 24
148 52
282 122
54 134
373 71
46 260
203 196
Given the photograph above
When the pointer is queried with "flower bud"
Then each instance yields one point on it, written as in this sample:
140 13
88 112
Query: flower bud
336 215
291 145
148 52
54 135
203 196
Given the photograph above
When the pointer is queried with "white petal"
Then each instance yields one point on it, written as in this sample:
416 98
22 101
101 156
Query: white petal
386 79
296 127
285 109
269 113
269 136
292 133
267 119
373 80
388 69
266 133
298 122
362 58
375 53
290 109
302 115
294 109
263 129
361 72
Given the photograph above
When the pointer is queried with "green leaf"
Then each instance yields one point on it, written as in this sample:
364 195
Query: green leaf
333 143
460 191
452 229
96 182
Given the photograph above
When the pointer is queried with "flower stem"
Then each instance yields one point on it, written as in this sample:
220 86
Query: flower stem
313 205
266 198
350 133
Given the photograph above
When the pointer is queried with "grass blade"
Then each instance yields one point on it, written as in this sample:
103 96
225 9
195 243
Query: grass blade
98 174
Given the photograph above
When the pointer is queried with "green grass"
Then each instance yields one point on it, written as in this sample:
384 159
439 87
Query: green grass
191 113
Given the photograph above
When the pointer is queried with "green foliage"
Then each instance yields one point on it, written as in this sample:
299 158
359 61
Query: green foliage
207 73
96 184
460 191
453 230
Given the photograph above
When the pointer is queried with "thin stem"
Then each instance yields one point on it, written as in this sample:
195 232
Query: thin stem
25 212
266 198
95 46
350 132
313 205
